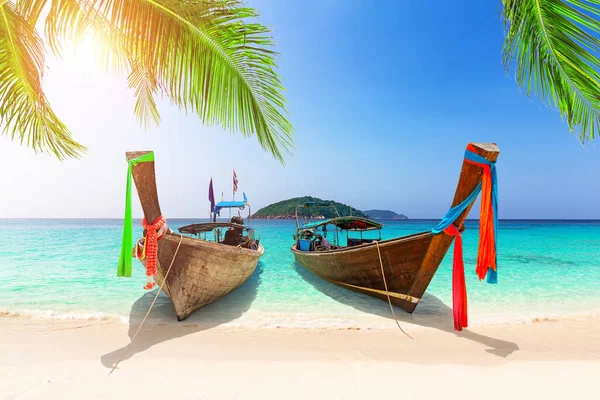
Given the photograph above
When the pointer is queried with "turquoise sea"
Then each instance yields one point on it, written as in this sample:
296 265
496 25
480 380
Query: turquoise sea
66 268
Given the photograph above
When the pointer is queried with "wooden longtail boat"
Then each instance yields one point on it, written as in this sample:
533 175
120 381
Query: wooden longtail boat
203 271
409 262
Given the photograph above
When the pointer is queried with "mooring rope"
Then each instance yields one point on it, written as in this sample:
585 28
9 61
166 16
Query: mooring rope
388 293
151 305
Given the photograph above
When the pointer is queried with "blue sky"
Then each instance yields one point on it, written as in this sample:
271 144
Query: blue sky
384 97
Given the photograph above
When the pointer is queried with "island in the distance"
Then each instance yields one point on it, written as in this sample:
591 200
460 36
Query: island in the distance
286 209
384 214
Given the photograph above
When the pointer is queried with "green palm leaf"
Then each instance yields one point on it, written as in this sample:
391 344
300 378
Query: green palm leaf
553 46
25 113
203 55
206 56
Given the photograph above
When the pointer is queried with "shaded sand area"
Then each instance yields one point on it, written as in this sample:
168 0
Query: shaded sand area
71 359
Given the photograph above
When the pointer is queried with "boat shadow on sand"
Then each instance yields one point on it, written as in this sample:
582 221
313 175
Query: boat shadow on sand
162 326
431 313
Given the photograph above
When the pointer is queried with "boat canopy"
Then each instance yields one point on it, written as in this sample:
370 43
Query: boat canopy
347 223
231 204
194 229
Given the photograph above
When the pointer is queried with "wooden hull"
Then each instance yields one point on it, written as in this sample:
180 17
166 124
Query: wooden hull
358 268
202 272
409 262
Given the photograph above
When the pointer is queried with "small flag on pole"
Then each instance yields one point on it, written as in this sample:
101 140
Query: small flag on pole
211 196
235 182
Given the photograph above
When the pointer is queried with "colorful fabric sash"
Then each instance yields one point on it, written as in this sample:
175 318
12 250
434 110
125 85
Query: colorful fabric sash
151 248
488 218
459 287
125 261
488 238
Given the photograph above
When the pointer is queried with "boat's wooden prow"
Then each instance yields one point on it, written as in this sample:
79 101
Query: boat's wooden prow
409 262
144 177
470 176
202 271
130 155
488 147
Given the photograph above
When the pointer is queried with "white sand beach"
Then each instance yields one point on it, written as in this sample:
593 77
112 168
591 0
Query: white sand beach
71 359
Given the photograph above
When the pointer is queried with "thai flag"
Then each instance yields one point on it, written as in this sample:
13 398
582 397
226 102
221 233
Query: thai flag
235 182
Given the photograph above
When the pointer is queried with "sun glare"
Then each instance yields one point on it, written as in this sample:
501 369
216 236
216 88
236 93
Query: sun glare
90 53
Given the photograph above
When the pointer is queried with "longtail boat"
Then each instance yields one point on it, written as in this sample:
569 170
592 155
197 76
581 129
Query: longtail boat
399 270
219 259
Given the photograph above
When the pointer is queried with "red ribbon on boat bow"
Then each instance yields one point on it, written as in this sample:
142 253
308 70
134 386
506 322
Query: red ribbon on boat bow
459 287
151 245
486 254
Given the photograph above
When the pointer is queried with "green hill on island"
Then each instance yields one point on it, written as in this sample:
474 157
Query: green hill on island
287 209
384 214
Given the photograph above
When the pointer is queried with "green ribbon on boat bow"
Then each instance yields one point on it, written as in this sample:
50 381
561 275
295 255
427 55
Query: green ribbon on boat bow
124 268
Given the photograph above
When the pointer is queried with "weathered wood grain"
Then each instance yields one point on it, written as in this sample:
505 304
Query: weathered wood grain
202 271
409 262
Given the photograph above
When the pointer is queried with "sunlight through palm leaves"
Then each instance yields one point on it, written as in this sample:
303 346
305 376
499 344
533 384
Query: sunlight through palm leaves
25 113
207 57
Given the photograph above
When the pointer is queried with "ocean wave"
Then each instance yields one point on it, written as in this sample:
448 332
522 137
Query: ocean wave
61 315
533 318
258 320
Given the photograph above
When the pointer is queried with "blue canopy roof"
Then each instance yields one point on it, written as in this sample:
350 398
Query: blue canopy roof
231 204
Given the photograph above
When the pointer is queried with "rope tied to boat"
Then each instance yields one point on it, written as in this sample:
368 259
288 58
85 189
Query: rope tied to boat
488 235
387 292
151 306
154 232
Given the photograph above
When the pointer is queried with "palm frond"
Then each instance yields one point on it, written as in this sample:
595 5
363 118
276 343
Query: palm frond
553 46
30 9
204 55
25 113
146 87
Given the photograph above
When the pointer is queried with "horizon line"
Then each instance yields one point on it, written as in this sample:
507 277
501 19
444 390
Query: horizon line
279 219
